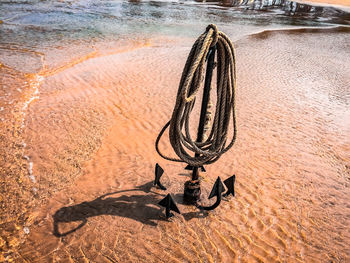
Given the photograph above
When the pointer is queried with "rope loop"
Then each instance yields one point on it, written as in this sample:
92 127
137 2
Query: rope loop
215 33
198 153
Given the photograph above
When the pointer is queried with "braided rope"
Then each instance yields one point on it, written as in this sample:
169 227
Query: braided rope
209 150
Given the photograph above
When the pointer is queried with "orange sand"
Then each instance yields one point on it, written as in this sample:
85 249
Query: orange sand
291 158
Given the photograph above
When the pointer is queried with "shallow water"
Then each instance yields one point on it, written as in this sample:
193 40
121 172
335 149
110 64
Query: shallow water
87 87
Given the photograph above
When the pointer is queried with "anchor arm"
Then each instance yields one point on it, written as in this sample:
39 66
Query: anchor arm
212 207
217 190
190 167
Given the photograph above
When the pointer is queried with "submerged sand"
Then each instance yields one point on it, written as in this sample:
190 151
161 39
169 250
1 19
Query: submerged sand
91 139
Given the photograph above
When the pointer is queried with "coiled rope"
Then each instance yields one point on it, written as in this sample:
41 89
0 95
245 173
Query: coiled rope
210 149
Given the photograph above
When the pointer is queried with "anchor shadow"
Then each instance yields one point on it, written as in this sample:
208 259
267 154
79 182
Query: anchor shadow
196 213
138 207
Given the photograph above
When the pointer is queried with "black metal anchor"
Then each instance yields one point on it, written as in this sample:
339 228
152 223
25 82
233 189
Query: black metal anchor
216 144
169 204
158 173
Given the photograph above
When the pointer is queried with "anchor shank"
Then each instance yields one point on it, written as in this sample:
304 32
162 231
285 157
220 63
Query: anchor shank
205 100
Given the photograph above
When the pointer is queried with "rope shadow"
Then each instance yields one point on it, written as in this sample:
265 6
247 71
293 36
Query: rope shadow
138 207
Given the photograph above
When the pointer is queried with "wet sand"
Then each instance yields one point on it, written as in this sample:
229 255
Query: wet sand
91 139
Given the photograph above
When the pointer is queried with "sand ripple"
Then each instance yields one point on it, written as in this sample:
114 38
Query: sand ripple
291 158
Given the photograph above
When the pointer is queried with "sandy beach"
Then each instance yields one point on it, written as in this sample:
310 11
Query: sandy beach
79 123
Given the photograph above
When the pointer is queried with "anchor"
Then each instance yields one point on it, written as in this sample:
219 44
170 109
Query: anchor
211 142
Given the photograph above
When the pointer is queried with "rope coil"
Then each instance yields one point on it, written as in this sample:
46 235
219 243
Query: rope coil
210 149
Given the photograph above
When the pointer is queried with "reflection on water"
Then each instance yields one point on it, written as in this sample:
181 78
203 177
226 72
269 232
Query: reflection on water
59 20
31 29
291 8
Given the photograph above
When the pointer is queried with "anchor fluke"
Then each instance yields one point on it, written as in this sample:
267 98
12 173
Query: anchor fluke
217 189
169 204
158 173
230 184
